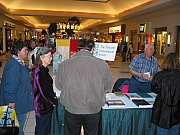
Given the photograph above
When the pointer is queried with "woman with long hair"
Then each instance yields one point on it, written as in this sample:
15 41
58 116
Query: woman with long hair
166 84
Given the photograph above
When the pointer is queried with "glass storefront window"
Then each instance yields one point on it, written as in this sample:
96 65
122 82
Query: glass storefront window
161 43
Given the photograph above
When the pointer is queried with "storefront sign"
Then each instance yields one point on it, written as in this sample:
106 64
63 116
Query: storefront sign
142 28
105 51
115 29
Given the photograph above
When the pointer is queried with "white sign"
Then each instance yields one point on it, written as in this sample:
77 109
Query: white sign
105 51
142 28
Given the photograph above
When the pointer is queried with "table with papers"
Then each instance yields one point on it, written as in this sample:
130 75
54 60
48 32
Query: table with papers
129 120
117 121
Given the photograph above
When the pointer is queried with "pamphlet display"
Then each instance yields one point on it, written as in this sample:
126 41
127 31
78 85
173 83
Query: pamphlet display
66 48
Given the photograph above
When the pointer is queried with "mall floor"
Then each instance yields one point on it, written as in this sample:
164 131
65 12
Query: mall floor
119 70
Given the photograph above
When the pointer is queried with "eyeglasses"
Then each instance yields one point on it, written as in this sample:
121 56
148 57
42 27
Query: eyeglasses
49 56
151 49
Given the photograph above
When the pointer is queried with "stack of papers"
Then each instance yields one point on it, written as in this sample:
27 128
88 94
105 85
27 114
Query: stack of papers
111 96
114 101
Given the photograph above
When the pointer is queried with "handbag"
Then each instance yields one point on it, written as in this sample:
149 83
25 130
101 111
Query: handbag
9 124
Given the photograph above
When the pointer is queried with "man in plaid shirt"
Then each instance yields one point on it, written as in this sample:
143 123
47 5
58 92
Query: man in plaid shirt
143 67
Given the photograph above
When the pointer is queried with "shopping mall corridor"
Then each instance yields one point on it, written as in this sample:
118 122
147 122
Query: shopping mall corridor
119 70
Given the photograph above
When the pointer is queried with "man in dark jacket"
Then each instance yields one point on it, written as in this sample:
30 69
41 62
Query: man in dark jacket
124 51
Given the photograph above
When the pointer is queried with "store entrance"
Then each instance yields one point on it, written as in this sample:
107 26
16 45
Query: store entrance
160 41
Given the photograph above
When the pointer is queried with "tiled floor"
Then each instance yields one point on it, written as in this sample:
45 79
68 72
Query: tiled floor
119 70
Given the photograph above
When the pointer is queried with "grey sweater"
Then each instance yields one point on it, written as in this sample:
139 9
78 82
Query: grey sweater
83 81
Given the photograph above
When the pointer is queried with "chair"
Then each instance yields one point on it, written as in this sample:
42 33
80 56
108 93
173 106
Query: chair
122 84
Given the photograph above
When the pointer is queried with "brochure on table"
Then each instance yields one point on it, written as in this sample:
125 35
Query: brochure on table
128 103
114 101
141 103
149 96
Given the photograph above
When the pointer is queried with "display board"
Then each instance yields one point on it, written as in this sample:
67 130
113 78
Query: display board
62 52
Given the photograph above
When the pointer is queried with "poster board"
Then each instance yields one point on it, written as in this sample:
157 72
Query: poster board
105 51
73 47
62 52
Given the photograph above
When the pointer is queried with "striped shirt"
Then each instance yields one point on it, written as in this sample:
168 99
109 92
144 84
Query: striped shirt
21 62
141 65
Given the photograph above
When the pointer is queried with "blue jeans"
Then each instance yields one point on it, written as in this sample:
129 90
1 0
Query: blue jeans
174 130
21 119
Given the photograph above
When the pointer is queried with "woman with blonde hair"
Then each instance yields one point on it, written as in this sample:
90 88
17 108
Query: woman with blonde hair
166 109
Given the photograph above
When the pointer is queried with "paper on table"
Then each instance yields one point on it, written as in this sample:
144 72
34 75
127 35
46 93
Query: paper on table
133 96
111 96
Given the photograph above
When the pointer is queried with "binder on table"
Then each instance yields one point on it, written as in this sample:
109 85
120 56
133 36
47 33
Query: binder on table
141 103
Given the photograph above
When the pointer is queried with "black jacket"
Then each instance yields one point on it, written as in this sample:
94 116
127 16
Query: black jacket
44 96
166 109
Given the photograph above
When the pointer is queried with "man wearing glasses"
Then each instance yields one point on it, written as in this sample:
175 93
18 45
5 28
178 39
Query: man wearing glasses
143 67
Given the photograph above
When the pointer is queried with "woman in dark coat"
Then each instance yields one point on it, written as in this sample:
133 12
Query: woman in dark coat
44 96
166 109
